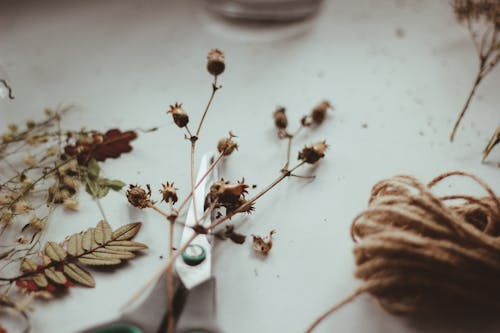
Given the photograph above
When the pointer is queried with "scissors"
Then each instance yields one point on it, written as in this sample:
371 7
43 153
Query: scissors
194 300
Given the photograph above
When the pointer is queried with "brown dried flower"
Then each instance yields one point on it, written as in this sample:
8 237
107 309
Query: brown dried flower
280 119
181 119
169 193
226 146
318 113
138 197
230 196
261 246
215 63
312 154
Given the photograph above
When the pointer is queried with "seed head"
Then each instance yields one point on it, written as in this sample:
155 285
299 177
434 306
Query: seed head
226 146
169 193
181 119
318 113
138 197
280 119
312 154
215 62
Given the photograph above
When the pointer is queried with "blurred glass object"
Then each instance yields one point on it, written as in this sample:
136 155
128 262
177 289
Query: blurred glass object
264 10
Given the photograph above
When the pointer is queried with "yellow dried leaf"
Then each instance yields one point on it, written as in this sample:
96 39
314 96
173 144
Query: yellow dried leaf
74 245
127 231
125 246
28 265
79 275
105 253
92 261
55 251
56 276
102 232
88 242
40 280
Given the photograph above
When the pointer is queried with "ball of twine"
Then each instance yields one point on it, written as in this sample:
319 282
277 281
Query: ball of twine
419 253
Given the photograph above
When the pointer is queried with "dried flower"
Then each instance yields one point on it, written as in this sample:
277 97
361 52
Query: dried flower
6 217
169 193
30 161
229 233
71 204
318 113
230 196
138 197
215 63
21 207
181 119
5 199
22 240
280 119
226 146
312 154
261 245
36 223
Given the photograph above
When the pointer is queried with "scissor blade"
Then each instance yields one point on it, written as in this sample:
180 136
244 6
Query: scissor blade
191 276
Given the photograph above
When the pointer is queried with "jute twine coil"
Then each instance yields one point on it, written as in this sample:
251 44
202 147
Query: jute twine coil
419 253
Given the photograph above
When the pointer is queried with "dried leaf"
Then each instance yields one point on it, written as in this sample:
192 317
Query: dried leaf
261 246
102 232
74 245
105 253
115 185
55 251
92 261
88 240
127 231
28 265
111 144
93 169
40 280
125 246
55 276
78 274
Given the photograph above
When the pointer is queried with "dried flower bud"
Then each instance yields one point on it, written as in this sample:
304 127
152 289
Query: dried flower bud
13 128
261 246
312 154
138 197
30 161
215 63
227 195
5 199
71 204
22 240
280 119
6 216
21 207
180 117
169 193
226 146
71 183
36 223
30 124
318 113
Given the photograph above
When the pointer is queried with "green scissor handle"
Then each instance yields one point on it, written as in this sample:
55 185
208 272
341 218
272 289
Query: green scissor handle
119 328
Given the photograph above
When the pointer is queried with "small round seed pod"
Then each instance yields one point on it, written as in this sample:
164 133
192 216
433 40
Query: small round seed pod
138 197
226 146
169 193
318 113
181 119
215 62
280 119
312 154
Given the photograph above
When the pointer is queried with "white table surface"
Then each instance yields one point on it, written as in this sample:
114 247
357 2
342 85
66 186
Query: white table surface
121 63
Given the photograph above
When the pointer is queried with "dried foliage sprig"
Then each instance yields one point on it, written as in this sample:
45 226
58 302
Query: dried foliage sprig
226 199
59 265
482 18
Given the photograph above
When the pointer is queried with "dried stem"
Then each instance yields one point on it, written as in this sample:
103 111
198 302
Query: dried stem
8 87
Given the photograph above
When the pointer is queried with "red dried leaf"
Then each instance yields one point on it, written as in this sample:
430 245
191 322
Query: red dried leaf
100 146
2 329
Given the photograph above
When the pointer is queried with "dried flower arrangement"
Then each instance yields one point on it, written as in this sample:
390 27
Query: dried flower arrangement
44 167
232 196
482 18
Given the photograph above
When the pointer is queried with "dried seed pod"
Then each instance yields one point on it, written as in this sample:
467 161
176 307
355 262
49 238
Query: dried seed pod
312 154
181 119
261 246
226 146
318 113
169 193
215 62
138 197
280 119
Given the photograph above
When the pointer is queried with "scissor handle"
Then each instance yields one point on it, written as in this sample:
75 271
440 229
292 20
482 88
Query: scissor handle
199 311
